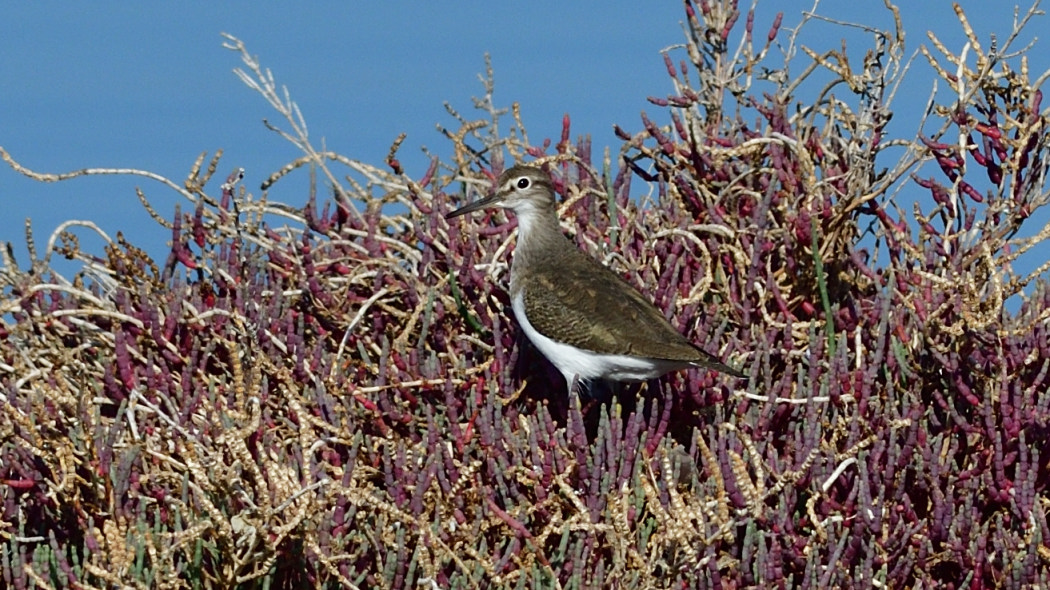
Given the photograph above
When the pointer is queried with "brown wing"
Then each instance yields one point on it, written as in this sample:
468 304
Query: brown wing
629 324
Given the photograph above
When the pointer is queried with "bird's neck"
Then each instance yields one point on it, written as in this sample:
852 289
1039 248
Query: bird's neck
539 241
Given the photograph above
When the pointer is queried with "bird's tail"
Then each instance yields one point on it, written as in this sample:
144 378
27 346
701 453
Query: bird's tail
709 361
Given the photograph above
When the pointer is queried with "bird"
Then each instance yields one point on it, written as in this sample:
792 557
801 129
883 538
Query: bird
585 319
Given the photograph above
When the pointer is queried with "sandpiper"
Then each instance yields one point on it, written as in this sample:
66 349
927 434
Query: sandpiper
586 320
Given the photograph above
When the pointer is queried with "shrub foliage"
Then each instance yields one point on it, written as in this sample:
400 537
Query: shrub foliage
336 395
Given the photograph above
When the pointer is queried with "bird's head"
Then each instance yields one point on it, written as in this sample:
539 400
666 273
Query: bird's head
523 189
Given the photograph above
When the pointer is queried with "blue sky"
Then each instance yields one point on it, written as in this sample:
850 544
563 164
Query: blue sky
149 86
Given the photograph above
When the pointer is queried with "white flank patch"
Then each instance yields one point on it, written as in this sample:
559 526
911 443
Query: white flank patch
586 365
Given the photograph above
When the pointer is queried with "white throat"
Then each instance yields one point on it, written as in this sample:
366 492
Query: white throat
529 220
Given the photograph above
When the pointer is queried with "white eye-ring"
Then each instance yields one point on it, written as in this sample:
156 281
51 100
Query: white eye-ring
522 183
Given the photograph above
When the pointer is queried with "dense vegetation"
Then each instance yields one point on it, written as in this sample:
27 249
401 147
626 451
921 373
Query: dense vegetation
337 395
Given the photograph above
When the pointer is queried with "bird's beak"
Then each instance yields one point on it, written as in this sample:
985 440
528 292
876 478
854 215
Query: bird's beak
476 206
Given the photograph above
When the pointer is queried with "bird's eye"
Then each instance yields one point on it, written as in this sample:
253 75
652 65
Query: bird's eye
523 182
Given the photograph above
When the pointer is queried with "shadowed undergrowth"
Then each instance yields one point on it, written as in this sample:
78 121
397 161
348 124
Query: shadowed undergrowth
337 395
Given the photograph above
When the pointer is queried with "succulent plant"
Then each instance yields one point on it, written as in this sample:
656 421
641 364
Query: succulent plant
338 395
